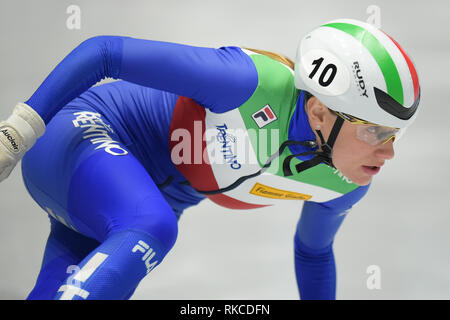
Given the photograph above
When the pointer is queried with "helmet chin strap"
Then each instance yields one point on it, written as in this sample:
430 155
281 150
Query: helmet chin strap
323 156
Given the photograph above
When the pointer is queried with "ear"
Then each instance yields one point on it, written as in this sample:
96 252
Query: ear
317 112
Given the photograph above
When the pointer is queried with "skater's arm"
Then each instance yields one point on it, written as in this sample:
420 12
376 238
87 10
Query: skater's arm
314 258
215 78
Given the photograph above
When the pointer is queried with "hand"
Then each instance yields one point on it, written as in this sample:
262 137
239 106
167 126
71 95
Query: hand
17 135
11 149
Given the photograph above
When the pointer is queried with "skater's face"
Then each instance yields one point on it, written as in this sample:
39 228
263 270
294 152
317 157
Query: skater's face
357 160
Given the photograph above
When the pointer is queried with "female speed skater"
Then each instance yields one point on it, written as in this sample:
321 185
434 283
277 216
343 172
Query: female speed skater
115 165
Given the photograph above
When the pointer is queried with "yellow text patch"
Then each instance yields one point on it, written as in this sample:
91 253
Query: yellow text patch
274 193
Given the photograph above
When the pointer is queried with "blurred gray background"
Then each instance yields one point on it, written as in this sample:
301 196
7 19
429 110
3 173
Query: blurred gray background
401 226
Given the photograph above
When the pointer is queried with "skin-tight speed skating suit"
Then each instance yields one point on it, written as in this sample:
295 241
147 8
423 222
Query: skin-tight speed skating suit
119 162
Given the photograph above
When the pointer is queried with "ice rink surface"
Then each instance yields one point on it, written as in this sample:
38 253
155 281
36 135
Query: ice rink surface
401 226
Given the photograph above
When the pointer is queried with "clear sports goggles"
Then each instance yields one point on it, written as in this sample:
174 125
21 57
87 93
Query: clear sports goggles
371 133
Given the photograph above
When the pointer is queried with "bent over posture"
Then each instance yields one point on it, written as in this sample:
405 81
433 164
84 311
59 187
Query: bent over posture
118 163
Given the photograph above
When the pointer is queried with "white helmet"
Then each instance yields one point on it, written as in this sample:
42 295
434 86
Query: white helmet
355 68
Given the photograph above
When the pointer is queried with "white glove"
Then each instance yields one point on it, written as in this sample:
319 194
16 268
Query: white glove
17 135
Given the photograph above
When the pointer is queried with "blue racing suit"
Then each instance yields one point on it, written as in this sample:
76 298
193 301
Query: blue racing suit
103 169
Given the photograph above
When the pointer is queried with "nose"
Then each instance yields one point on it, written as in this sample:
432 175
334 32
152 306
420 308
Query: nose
386 150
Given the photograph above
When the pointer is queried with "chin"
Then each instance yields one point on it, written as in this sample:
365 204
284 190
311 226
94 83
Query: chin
362 181
359 178
355 175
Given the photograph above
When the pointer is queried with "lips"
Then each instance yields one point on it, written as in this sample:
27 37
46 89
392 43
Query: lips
371 170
